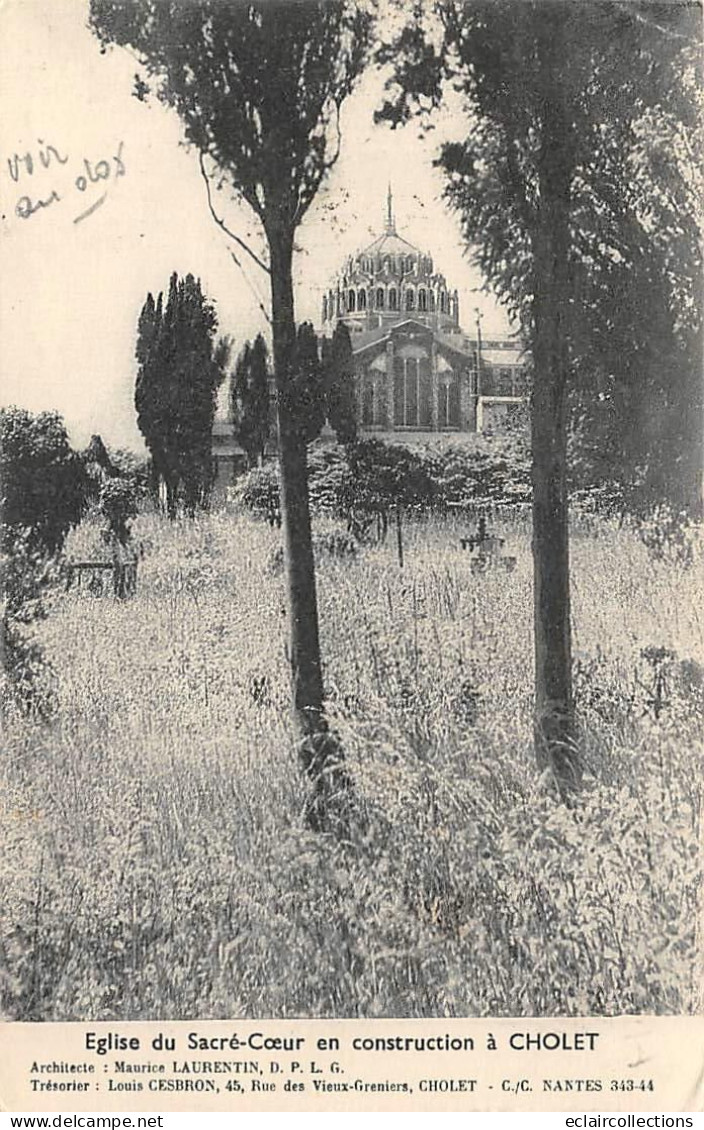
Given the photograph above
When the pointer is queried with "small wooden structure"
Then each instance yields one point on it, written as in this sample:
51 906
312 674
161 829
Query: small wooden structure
124 576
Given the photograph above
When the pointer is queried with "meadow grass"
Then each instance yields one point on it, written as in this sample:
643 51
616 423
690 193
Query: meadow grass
156 858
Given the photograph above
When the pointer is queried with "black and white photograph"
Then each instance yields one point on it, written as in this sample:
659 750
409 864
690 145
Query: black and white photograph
351 487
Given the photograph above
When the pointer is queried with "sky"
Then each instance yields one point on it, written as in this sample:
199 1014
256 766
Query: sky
114 203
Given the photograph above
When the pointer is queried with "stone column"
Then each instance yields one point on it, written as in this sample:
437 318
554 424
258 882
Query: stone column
434 422
390 385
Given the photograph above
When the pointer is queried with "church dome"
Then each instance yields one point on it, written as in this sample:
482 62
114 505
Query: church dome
388 281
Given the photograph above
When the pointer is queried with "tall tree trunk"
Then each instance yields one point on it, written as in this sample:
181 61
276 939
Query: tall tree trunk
306 674
554 723
319 751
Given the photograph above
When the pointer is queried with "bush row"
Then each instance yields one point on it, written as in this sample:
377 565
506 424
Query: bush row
372 476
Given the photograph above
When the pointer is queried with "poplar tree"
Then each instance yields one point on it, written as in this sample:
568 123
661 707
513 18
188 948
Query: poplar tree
258 86
338 367
560 189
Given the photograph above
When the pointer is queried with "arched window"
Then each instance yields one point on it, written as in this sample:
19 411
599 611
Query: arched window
443 302
412 388
422 300
361 300
380 298
392 299
410 299
387 264
351 301
409 263
431 301
325 307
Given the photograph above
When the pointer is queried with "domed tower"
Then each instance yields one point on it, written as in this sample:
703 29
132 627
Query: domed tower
390 281
416 370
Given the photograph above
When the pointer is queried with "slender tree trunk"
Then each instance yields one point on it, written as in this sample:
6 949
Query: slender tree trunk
319 752
399 537
554 723
295 511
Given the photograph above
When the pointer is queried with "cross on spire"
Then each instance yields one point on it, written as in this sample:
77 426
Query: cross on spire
390 222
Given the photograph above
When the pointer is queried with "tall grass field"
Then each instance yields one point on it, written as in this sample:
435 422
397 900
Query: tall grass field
156 860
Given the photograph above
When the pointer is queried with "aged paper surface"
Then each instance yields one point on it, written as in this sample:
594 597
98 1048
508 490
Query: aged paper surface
625 1064
100 203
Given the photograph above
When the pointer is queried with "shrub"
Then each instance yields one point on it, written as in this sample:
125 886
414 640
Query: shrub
373 476
670 536
25 575
44 484
118 505
490 469
369 476
258 492
329 480
385 475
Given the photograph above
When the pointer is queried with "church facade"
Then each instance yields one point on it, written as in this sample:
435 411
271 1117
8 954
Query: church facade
417 370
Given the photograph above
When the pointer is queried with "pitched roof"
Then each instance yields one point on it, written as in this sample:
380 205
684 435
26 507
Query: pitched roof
390 243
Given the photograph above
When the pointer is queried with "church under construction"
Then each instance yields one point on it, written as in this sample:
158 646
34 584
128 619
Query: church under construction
417 370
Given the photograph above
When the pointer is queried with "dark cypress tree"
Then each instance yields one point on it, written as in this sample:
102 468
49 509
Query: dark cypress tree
306 391
338 365
181 367
249 400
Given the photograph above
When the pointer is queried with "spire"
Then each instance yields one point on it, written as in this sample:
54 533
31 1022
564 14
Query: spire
390 223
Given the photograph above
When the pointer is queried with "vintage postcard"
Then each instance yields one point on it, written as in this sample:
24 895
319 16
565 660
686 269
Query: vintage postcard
351 476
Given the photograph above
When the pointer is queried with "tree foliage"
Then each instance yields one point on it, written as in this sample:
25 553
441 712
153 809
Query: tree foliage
181 367
249 400
42 479
258 86
563 195
631 148
118 506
